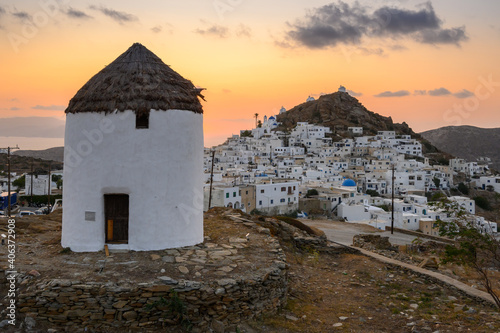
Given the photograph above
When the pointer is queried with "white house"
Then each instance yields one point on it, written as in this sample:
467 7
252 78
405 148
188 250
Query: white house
277 197
489 182
133 168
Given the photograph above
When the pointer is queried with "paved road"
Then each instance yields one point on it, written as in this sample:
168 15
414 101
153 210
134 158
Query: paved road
343 232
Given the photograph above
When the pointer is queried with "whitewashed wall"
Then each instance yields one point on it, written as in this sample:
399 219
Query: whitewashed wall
160 168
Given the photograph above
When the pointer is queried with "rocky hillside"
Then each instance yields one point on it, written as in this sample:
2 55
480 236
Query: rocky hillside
51 154
340 111
467 142
22 164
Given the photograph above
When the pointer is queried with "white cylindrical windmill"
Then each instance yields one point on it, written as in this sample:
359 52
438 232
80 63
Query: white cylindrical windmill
133 164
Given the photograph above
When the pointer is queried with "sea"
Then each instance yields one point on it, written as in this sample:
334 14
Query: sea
32 143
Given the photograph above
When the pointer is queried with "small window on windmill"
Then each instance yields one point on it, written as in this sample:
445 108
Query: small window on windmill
142 120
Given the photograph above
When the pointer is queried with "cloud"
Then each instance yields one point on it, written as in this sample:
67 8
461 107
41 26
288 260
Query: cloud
214 31
167 28
344 23
120 17
464 93
354 94
78 14
157 29
14 108
14 99
226 91
44 127
243 31
439 92
49 107
2 11
22 15
443 36
399 93
420 92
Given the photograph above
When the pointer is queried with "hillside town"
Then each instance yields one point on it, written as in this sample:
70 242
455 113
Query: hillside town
304 172
268 171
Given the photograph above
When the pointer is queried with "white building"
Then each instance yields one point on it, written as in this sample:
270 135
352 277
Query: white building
133 168
487 183
223 196
277 198
466 203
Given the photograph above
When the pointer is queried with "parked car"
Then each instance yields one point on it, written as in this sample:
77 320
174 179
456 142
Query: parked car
25 213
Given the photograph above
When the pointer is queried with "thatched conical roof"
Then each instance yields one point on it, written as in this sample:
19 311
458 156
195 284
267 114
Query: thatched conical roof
139 81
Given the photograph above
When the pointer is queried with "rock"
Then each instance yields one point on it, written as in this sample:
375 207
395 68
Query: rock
218 326
167 280
130 315
220 291
51 330
155 257
4 323
168 259
119 304
180 259
471 311
343 318
34 272
226 269
221 253
414 306
226 282
156 289
183 269
337 325
292 318
452 298
429 263
237 240
29 322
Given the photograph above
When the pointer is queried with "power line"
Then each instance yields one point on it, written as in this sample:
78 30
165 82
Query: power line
8 177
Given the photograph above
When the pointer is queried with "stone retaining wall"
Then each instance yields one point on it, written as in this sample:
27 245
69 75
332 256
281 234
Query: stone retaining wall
218 304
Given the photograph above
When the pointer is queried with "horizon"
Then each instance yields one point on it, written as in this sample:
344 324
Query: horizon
428 64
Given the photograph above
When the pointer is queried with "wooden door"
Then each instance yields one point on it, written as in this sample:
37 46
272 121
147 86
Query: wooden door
116 218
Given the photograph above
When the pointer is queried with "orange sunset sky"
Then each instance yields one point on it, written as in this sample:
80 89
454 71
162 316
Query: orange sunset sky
431 64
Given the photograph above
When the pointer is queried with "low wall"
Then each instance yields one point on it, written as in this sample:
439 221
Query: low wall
218 304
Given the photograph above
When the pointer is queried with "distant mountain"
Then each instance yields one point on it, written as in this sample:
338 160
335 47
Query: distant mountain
51 154
467 142
340 111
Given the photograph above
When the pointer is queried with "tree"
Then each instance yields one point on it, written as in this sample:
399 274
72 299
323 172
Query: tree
311 192
482 202
463 188
259 124
472 248
55 178
256 119
437 182
19 182
372 193
59 183
246 133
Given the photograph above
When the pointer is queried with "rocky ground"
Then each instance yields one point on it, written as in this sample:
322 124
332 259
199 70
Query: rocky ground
329 290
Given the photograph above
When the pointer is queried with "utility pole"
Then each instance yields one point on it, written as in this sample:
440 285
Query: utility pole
8 177
50 169
31 188
211 180
392 204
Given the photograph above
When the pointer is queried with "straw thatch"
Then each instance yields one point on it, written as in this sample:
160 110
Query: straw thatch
139 81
